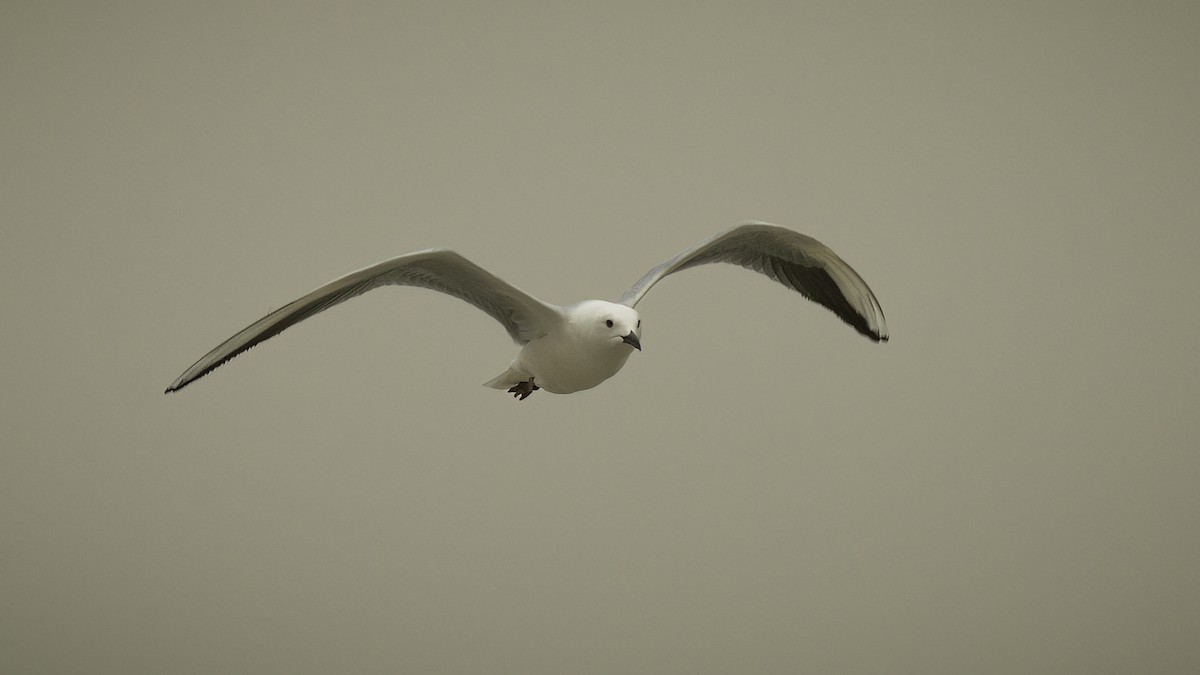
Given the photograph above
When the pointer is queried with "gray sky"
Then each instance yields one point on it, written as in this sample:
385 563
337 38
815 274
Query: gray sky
1009 486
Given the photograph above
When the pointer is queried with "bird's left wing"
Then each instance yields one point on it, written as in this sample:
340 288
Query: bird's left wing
522 315
795 260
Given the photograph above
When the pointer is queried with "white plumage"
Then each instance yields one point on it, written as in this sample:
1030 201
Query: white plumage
567 349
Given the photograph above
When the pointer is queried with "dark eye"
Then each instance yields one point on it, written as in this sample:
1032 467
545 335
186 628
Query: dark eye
608 322
639 323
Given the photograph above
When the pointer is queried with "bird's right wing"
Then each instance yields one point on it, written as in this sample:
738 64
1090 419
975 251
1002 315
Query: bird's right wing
522 315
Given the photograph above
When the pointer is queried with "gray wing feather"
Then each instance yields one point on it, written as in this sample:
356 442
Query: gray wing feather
522 315
799 262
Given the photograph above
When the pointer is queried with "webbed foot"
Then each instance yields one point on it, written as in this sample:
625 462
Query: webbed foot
523 389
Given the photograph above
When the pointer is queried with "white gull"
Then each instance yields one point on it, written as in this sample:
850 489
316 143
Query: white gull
578 346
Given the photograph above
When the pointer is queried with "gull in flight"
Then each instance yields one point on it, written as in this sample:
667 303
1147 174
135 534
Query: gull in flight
576 347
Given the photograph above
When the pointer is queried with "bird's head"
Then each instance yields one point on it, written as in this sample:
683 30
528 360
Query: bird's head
608 322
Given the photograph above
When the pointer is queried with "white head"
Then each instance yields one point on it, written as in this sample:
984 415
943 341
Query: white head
607 322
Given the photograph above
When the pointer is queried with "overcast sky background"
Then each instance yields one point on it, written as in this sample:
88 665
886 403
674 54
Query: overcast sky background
1008 486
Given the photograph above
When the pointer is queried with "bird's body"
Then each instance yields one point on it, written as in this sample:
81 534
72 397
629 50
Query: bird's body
574 347
579 352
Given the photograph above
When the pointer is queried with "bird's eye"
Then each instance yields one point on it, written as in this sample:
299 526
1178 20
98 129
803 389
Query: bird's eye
608 322
639 323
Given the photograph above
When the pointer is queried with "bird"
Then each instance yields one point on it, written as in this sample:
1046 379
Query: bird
565 349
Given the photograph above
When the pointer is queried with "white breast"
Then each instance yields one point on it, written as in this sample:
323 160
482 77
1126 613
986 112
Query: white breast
567 361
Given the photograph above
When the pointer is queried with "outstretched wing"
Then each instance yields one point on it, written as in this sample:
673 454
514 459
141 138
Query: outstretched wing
797 261
522 315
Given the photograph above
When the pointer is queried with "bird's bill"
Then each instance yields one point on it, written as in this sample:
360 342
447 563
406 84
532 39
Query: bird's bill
632 340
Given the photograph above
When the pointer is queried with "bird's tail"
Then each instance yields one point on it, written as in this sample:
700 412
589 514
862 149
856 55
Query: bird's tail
509 378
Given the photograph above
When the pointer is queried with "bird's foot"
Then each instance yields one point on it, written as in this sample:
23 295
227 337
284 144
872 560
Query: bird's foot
523 389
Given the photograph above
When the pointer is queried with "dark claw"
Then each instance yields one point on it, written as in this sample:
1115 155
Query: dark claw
523 389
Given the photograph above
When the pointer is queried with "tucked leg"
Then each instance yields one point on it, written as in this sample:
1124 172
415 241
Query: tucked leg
523 389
